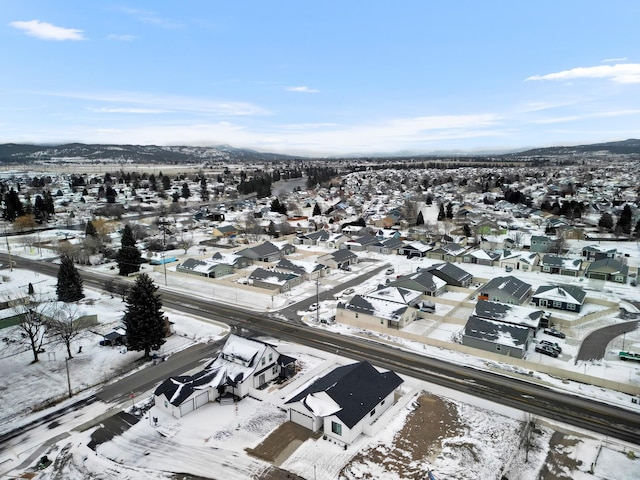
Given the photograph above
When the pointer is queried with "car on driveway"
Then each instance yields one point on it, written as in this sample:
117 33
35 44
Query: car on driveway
554 333
545 350
552 345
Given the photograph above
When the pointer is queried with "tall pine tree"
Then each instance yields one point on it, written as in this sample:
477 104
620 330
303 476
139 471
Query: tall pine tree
143 317
69 287
129 257
91 231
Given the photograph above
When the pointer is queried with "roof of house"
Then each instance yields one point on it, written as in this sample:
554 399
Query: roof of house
392 243
449 270
299 268
513 314
450 249
562 262
263 250
496 331
272 276
561 293
343 254
395 294
608 265
387 309
510 285
422 280
350 392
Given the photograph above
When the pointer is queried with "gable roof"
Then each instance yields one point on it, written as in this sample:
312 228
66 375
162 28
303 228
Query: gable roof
561 293
272 276
422 281
512 314
510 285
353 390
387 309
497 332
343 254
562 262
608 265
444 270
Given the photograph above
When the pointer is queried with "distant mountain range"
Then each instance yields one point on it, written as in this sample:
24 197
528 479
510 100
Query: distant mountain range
11 153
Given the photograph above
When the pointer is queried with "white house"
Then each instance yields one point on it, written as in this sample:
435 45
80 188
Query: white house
243 365
345 402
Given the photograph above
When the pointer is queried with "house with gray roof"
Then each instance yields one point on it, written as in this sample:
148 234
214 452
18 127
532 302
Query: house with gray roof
608 269
346 402
449 252
540 243
511 314
562 297
390 309
561 265
423 282
204 268
274 280
415 249
307 270
507 289
497 337
598 252
481 257
265 252
338 259
451 274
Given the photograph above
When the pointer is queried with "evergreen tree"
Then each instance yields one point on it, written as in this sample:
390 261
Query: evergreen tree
441 214
606 221
467 230
624 222
420 219
12 206
90 231
69 287
449 210
31 289
143 317
316 210
128 257
186 193
204 192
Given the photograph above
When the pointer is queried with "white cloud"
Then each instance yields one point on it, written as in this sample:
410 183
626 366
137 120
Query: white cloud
619 73
574 118
124 38
47 31
175 103
302 89
151 18
128 110
614 60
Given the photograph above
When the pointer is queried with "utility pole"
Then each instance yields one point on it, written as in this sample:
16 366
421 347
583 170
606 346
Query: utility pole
66 361
318 298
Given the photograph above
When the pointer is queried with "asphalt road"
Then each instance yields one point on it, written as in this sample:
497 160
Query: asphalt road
585 413
593 347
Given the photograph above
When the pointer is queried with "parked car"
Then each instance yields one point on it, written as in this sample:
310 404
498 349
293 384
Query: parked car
554 333
314 306
553 345
545 350
389 271
348 291
346 268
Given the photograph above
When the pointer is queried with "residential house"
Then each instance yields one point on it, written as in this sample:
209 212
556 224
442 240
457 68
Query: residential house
507 289
336 240
389 246
225 231
415 249
274 280
608 269
560 265
450 252
362 243
511 314
392 307
540 243
346 402
451 274
307 270
498 337
596 252
204 268
339 259
312 238
265 252
421 281
481 257
562 297
241 367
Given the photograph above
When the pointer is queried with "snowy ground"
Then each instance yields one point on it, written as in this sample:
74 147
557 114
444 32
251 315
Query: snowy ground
213 439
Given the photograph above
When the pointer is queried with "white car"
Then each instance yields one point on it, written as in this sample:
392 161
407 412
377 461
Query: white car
313 306
348 291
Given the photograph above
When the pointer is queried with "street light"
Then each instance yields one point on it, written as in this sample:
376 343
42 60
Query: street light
66 362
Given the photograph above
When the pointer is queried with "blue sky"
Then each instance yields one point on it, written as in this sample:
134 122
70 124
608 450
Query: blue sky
311 77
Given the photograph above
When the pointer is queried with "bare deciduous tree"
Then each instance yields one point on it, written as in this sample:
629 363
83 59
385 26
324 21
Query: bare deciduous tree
32 313
185 242
65 325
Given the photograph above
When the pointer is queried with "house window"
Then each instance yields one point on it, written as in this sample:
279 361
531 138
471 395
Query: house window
557 304
619 278
166 404
571 306
270 357
264 360
498 348
336 428
356 315
546 268
373 412
382 402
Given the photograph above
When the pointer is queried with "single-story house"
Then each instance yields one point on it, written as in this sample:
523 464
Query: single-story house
414 249
242 366
346 402
423 282
204 268
560 265
225 231
392 310
608 269
540 244
498 337
597 252
562 297
481 257
338 259
507 289
449 252
511 314
307 270
451 274
265 252
274 280
363 243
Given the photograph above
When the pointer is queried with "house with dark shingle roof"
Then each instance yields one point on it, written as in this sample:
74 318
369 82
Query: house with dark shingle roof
507 289
562 297
274 280
423 282
561 265
608 269
204 268
596 252
265 252
451 274
338 259
449 252
497 337
392 311
415 249
307 270
511 314
346 402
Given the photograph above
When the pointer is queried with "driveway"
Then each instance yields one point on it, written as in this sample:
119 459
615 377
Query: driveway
595 344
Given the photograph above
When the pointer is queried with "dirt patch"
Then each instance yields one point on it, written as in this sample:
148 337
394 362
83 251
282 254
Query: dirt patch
432 421
558 464
282 442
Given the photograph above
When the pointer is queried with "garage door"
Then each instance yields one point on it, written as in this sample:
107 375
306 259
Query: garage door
302 419
202 399
598 276
186 407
